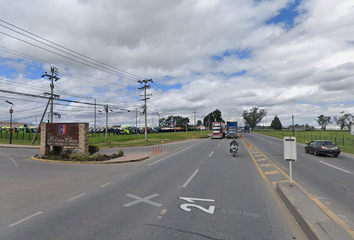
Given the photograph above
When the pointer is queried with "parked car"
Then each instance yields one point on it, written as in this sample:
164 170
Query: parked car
318 147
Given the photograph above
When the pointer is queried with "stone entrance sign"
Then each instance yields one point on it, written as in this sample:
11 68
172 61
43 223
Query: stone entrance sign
73 135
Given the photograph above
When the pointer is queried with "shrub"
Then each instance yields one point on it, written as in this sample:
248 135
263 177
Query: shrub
57 150
93 149
120 153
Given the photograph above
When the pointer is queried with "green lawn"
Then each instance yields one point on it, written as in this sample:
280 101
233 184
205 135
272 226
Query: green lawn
341 138
115 140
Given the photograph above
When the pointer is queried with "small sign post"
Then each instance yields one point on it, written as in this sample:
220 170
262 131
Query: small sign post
290 154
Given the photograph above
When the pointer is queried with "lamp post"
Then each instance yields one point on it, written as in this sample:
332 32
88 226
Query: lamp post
11 112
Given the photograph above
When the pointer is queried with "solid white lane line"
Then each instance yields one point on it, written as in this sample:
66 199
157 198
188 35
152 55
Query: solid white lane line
105 184
25 219
73 198
211 153
190 179
11 159
335 167
169 156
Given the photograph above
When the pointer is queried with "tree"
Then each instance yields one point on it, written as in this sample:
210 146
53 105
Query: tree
276 124
180 121
323 121
344 120
213 117
253 117
199 123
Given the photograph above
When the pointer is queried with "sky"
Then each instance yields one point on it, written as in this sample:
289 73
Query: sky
289 57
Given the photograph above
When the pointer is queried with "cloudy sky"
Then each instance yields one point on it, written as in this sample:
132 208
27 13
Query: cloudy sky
289 57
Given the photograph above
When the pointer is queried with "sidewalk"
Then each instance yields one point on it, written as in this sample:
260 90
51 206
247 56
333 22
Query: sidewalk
124 159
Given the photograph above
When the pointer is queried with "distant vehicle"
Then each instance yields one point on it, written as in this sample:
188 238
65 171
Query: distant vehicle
231 128
218 130
246 129
134 130
318 147
156 129
127 130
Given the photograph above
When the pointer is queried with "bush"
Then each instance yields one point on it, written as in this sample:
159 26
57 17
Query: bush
120 153
57 150
93 149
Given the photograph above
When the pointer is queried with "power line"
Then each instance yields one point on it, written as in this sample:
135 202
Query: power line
125 72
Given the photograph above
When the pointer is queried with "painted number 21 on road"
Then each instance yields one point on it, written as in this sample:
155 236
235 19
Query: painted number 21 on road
187 206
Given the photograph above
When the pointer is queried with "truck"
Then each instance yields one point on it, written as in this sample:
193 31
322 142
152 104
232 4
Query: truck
218 130
247 129
231 128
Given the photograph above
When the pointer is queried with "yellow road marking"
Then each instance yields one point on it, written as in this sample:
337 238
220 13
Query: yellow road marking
271 172
314 199
261 159
265 165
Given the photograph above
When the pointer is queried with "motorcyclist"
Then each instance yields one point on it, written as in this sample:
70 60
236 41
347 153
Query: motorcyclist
233 144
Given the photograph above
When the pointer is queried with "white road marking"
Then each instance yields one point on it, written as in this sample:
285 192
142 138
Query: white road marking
186 206
211 153
170 156
335 167
11 159
73 198
25 219
219 144
126 175
190 179
105 184
145 199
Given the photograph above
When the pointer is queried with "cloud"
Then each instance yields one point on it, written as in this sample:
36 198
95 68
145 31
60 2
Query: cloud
289 57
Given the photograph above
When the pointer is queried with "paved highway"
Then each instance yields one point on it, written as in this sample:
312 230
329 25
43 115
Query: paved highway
329 179
192 190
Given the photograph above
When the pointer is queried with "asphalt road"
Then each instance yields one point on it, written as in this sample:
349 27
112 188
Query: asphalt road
329 179
192 190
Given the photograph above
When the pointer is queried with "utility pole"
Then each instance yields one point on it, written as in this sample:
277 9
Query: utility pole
136 119
54 72
106 110
95 119
195 119
144 99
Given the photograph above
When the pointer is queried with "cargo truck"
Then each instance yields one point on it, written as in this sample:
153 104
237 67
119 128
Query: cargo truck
231 128
218 130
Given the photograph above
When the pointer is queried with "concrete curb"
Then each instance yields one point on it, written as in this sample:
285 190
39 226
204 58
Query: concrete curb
19 146
112 161
313 220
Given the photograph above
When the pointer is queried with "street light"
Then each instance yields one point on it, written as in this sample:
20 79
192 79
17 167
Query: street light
11 111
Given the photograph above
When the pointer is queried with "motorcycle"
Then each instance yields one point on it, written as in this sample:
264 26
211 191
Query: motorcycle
234 150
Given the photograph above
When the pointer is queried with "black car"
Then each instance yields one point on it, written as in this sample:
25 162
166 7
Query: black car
318 147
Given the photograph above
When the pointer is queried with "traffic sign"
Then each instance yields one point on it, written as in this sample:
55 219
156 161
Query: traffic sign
290 149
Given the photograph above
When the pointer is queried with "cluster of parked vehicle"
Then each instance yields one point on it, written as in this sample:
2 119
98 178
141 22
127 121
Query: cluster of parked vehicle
127 130
18 129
